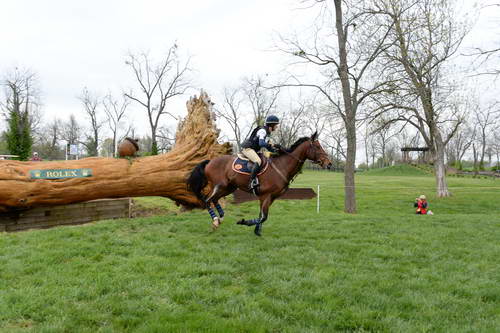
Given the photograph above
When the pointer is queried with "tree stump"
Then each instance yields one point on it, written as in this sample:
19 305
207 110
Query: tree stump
31 184
128 148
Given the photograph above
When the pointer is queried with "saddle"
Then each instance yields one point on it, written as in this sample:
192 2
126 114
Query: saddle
244 166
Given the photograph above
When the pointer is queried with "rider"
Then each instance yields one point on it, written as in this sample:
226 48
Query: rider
259 138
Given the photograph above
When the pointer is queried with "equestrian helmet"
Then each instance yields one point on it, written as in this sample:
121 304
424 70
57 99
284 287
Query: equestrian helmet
270 120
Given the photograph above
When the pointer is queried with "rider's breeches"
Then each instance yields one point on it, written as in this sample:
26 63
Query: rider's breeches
252 155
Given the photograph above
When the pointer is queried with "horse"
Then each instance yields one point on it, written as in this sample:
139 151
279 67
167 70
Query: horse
274 181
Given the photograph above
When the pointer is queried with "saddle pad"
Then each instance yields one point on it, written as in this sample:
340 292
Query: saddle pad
245 166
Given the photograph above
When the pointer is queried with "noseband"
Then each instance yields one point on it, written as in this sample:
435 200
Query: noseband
315 157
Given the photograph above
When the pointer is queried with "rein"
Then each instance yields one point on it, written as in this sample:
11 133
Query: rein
302 161
290 154
279 173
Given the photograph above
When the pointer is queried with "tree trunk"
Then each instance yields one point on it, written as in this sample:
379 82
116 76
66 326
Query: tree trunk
440 169
114 145
161 175
366 152
483 150
350 114
154 144
349 181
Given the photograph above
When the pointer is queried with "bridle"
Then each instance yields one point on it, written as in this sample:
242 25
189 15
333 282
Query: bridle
311 145
300 161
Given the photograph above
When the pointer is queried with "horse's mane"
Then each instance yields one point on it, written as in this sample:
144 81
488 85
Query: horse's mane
295 145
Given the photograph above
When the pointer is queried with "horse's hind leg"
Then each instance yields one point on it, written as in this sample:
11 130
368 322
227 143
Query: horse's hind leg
216 221
219 210
218 192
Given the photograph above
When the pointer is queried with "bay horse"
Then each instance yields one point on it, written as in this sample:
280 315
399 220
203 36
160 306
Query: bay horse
274 181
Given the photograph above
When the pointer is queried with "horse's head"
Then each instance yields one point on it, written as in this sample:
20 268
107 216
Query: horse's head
317 154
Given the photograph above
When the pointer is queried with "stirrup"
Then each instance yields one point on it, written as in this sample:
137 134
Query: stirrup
253 183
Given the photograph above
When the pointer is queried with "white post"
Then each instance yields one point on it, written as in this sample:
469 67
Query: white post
317 204
130 203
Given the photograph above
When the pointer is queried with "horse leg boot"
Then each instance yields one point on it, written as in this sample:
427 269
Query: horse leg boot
248 222
258 229
220 211
215 219
254 181
256 222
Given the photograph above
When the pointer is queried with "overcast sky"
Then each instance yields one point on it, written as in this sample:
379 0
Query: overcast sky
75 44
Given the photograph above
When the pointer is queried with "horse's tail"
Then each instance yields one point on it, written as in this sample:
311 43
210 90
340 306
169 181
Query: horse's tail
197 180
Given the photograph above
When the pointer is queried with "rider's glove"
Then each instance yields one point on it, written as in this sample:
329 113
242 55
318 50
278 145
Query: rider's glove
278 147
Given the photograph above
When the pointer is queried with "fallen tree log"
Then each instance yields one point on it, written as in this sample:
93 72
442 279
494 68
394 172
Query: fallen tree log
32 184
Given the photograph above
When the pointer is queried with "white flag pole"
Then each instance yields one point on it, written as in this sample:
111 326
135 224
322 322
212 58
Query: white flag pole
317 205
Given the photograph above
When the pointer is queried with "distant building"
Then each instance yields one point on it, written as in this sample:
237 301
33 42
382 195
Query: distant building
423 155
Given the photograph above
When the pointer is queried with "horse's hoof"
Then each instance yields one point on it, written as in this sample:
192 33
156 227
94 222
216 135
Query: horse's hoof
216 223
258 230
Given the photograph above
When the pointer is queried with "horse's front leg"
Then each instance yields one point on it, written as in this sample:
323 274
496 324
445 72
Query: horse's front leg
265 202
253 221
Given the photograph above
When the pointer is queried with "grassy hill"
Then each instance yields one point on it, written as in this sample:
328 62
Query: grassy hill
384 269
397 170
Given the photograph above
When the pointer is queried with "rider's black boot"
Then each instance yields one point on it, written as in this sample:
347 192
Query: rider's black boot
254 181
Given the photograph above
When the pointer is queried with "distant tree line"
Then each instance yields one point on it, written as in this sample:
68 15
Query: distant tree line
384 76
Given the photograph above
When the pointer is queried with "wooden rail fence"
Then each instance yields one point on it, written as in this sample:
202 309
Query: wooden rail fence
291 193
79 213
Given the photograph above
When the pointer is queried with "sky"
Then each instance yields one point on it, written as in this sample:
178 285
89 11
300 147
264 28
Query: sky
76 44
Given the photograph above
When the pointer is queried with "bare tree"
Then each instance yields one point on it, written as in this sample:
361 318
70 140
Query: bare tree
91 104
486 57
165 139
459 145
21 107
315 113
391 153
158 83
496 146
427 35
485 120
262 100
71 132
231 112
247 105
292 124
115 112
22 93
48 141
366 141
335 141
360 39
382 135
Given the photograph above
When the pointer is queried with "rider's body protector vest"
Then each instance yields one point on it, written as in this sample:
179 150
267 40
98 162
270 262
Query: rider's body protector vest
253 141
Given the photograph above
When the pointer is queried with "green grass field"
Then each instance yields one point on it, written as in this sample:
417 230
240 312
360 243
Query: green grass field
381 270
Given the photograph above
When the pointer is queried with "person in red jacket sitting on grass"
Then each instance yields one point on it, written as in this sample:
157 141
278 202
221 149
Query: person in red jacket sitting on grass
35 157
421 204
